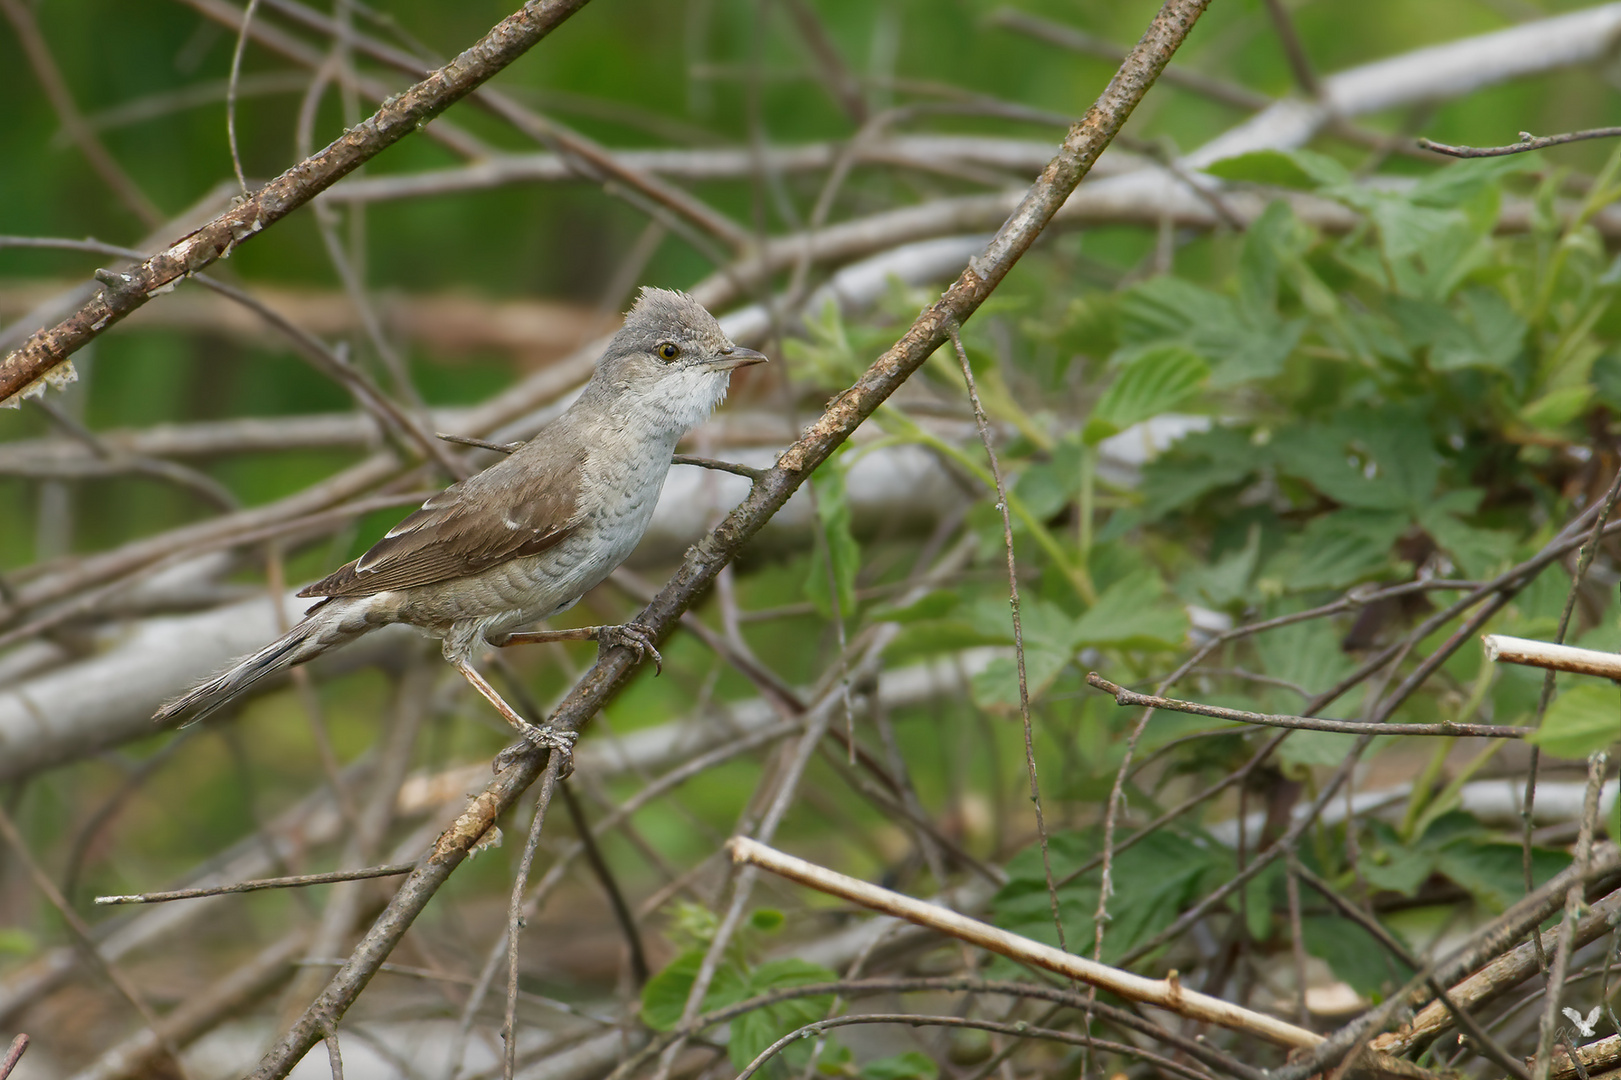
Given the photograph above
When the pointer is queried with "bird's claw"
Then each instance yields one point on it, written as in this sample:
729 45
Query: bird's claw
540 738
635 636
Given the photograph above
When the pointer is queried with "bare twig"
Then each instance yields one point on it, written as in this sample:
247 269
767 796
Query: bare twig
1068 37
1168 993
1512 650
520 885
398 117
1018 1030
1542 1061
1498 977
732 467
1294 49
1527 142
26 27
1122 696
84 938
296 882
984 425
14 1054
230 93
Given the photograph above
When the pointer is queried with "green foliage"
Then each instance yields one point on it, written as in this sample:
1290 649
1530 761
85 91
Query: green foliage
1153 882
1585 718
664 998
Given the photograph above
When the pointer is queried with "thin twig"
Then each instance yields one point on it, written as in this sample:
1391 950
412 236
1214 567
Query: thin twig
296 882
1542 1061
984 425
401 115
1483 1038
13 1055
49 74
1527 142
1018 1030
515 920
85 939
1294 49
732 467
639 970
1122 696
230 93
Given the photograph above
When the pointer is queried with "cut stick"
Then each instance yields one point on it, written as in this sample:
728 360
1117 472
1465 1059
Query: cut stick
1513 650
1167 993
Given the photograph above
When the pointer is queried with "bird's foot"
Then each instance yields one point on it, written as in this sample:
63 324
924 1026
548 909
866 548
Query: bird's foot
631 635
539 738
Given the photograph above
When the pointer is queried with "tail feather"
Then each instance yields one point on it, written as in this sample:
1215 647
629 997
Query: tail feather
321 630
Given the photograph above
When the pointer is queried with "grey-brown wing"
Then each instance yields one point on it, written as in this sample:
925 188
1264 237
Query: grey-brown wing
499 515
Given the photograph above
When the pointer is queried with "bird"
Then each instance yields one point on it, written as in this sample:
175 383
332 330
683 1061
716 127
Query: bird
527 537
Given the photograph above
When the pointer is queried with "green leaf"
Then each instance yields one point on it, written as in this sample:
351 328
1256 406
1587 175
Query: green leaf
1494 873
908 1066
1463 181
1477 552
1302 170
1241 344
838 545
1197 464
1557 408
1156 380
1585 718
1397 868
664 998
1354 955
1130 614
1154 881
754 1031
996 687
1344 547
767 920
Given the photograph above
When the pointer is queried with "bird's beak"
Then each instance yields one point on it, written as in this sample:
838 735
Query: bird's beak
735 357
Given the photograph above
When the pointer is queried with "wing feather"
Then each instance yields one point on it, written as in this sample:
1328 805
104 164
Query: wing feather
506 512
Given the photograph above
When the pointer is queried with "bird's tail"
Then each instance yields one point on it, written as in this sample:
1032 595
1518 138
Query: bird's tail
327 626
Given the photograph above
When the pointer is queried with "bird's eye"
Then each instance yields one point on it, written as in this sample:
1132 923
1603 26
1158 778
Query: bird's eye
669 350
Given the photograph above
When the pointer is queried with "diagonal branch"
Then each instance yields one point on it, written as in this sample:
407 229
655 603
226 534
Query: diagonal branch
394 120
1081 147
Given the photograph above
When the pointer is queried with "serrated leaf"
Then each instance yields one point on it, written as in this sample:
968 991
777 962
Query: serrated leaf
1344 547
1199 463
1240 344
1131 614
1155 381
996 686
1585 718
1494 873
1154 881
664 998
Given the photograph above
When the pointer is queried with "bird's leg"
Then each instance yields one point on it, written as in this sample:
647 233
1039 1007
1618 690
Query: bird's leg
548 737
631 635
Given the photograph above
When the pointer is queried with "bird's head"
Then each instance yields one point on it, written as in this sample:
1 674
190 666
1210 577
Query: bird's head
673 357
